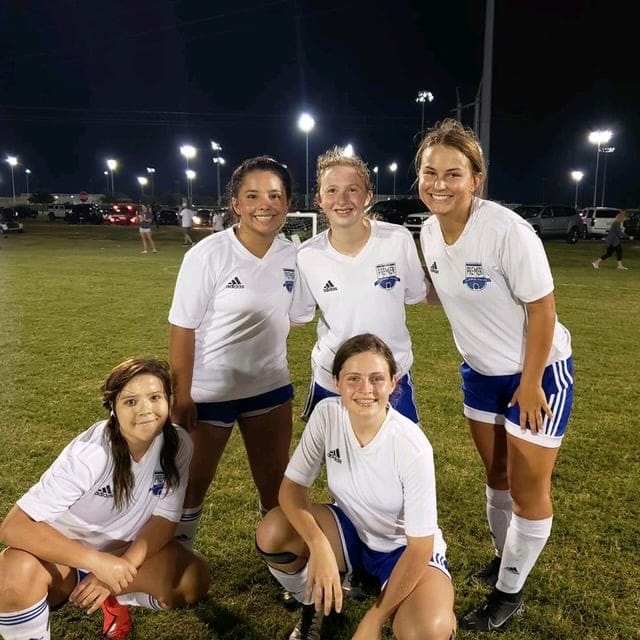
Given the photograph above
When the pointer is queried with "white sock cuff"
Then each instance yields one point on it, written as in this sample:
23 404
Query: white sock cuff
532 528
499 498
191 513
26 623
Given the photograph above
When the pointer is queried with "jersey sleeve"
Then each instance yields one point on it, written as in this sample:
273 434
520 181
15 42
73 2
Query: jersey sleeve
170 504
525 264
71 476
303 304
306 461
416 287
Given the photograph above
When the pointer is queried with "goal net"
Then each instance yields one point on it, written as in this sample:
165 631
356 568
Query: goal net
302 225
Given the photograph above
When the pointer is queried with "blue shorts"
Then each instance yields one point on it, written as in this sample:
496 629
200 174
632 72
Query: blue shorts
486 399
224 414
379 564
403 398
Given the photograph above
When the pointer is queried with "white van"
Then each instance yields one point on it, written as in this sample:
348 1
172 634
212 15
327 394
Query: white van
598 220
58 211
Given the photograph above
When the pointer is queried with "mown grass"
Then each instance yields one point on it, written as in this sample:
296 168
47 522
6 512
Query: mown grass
74 301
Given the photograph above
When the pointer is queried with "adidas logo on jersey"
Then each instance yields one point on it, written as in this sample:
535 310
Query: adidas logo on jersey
434 268
334 454
235 284
329 286
105 492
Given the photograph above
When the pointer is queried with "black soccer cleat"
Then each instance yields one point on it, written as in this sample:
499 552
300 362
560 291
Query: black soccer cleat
488 576
495 614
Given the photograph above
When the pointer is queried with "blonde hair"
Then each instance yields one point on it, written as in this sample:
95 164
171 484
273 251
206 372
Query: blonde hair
622 216
335 157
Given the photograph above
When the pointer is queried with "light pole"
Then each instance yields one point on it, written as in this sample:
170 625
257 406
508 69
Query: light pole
218 161
577 176
188 152
142 181
190 177
106 177
306 124
393 167
423 96
112 165
606 151
27 173
151 171
13 161
375 171
598 138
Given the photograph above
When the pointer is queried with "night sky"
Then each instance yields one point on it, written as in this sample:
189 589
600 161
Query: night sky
83 81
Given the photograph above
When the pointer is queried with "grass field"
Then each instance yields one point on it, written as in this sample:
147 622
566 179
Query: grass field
74 301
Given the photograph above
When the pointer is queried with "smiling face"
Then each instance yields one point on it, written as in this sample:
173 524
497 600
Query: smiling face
365 384
446 182
261 203
343 196
142 409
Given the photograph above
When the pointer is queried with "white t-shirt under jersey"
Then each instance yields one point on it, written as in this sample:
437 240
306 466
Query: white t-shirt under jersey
75 494
484 280
359 294
238 305
387 488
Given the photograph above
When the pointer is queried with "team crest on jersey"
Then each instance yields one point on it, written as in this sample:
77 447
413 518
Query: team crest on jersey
289 278
474 276
386 276
158 483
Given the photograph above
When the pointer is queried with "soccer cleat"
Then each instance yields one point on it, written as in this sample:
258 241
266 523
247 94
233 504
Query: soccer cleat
595 265
489 575
116 623
623 268
353 587
495 614
289 600
308 627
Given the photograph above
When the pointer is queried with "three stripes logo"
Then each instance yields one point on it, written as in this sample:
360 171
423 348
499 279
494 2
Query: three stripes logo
329 286
235 284
104 492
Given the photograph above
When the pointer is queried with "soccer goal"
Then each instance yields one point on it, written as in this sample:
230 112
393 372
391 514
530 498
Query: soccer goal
302 225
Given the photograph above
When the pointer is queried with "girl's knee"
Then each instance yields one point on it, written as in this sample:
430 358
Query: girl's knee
23 579
437 627
273 531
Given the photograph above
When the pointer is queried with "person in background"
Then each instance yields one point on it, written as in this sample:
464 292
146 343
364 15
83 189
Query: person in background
145 222
186 222
216 221
229 322
360 274
614 241
98 529
383 521
491 274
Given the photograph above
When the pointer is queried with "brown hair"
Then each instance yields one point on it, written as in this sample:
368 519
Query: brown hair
259 163
116 380
359 344
335 157
451 133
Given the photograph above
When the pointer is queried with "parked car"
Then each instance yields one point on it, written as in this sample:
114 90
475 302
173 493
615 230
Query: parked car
25 211
123 214
598 220
632 224
58 211
84 214
168 216
9 222
396 210
415 221
203 218
553 220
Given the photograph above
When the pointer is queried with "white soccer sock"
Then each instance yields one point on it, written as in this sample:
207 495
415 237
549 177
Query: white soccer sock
28 624
188 526
499 504
139 599
294 583
524 544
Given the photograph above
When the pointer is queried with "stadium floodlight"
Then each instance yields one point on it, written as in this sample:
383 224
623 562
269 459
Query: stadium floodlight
112 165
142 181
393 167
348 151
423 96
306 123
598 137
13 161
576 176
152 172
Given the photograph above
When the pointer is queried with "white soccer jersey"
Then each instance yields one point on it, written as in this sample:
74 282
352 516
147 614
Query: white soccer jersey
75 494
387 488
359 294
484 280
238 305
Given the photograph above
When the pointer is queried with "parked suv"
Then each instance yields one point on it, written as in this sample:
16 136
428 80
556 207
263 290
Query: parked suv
553 220
396 211
598 220
632 225
84 214
58 211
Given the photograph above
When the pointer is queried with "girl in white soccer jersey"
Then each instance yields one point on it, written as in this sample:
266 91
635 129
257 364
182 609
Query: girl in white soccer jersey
98 528
493 279
359 274
228 339
380 473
